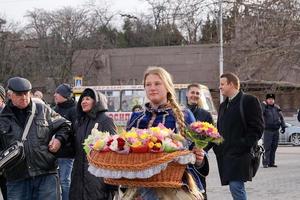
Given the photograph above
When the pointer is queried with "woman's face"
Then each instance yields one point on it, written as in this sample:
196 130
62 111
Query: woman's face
87 104
155 90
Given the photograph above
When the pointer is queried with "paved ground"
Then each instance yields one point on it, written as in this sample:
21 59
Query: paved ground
282 183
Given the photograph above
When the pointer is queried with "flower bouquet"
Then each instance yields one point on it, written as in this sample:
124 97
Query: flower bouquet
154 157
201 133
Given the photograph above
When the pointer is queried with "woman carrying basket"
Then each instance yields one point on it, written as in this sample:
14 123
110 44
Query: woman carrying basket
163 108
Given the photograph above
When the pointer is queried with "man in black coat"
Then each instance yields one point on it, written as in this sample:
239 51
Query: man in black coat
194 104
273 118
233 155
66 107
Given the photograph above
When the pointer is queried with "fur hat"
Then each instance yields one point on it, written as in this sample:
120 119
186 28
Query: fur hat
89 92
64 90
270 96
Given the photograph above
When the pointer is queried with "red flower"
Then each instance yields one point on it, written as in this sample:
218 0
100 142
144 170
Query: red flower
121 143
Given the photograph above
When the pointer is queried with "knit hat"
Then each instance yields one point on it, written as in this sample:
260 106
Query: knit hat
2 93
64 90
270 96
89 92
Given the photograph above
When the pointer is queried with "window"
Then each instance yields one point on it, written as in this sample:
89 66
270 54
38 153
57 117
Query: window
113 100
130 98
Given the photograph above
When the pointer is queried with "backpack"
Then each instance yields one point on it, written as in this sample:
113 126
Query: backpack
256 150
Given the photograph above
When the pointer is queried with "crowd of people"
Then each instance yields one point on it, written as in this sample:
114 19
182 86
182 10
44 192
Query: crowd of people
56 167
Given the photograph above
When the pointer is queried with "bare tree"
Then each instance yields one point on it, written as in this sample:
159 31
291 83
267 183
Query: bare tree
267 40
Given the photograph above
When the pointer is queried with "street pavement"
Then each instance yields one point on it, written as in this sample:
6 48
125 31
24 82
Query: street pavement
282 183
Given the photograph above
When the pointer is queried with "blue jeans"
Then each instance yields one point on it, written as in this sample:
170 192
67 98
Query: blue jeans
43 187
237 189
65 169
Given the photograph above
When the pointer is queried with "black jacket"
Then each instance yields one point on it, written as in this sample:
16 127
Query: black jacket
200 114
38 160
273 117
233 155
84 185
67 110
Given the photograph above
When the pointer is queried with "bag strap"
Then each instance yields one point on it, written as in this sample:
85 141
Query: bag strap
243 118
242 112
29 122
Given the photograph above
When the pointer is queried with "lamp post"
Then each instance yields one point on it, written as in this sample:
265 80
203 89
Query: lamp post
221 58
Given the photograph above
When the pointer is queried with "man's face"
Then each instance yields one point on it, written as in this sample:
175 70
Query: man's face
193 95
58 98
20 99
270 101
226 88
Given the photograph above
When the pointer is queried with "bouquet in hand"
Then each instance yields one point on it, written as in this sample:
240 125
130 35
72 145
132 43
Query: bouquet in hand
201 133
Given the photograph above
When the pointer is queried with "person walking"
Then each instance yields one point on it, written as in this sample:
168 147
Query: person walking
233 154
200 114
163 108
273 121
34 177
66 107
91 109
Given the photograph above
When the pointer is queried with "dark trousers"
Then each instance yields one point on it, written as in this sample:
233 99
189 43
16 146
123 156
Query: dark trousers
270 145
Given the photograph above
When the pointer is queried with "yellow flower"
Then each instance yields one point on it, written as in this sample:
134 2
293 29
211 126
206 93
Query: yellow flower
144 136
158 145
155 129
137 144
99 144
131 134
153 139
150 145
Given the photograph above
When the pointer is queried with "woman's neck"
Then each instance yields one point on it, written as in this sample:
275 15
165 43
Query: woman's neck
157 105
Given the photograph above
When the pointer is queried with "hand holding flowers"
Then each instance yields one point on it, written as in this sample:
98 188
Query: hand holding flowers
201 133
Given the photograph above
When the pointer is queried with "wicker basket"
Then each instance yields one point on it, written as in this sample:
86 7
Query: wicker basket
171 177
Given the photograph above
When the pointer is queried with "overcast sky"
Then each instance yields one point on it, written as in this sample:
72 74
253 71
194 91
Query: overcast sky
16 9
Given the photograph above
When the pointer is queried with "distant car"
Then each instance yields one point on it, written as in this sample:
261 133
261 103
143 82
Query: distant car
291 135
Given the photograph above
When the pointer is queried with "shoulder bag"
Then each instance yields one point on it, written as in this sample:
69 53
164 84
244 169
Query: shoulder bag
15 152
256 150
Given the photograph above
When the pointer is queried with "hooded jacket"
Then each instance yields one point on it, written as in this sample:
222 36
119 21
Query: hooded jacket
84 185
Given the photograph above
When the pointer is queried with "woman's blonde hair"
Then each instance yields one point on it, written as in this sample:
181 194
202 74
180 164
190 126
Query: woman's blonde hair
171 95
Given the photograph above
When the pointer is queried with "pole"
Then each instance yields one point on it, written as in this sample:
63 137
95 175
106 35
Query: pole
221 58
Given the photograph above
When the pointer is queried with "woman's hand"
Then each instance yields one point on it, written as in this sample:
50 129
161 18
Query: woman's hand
200 153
